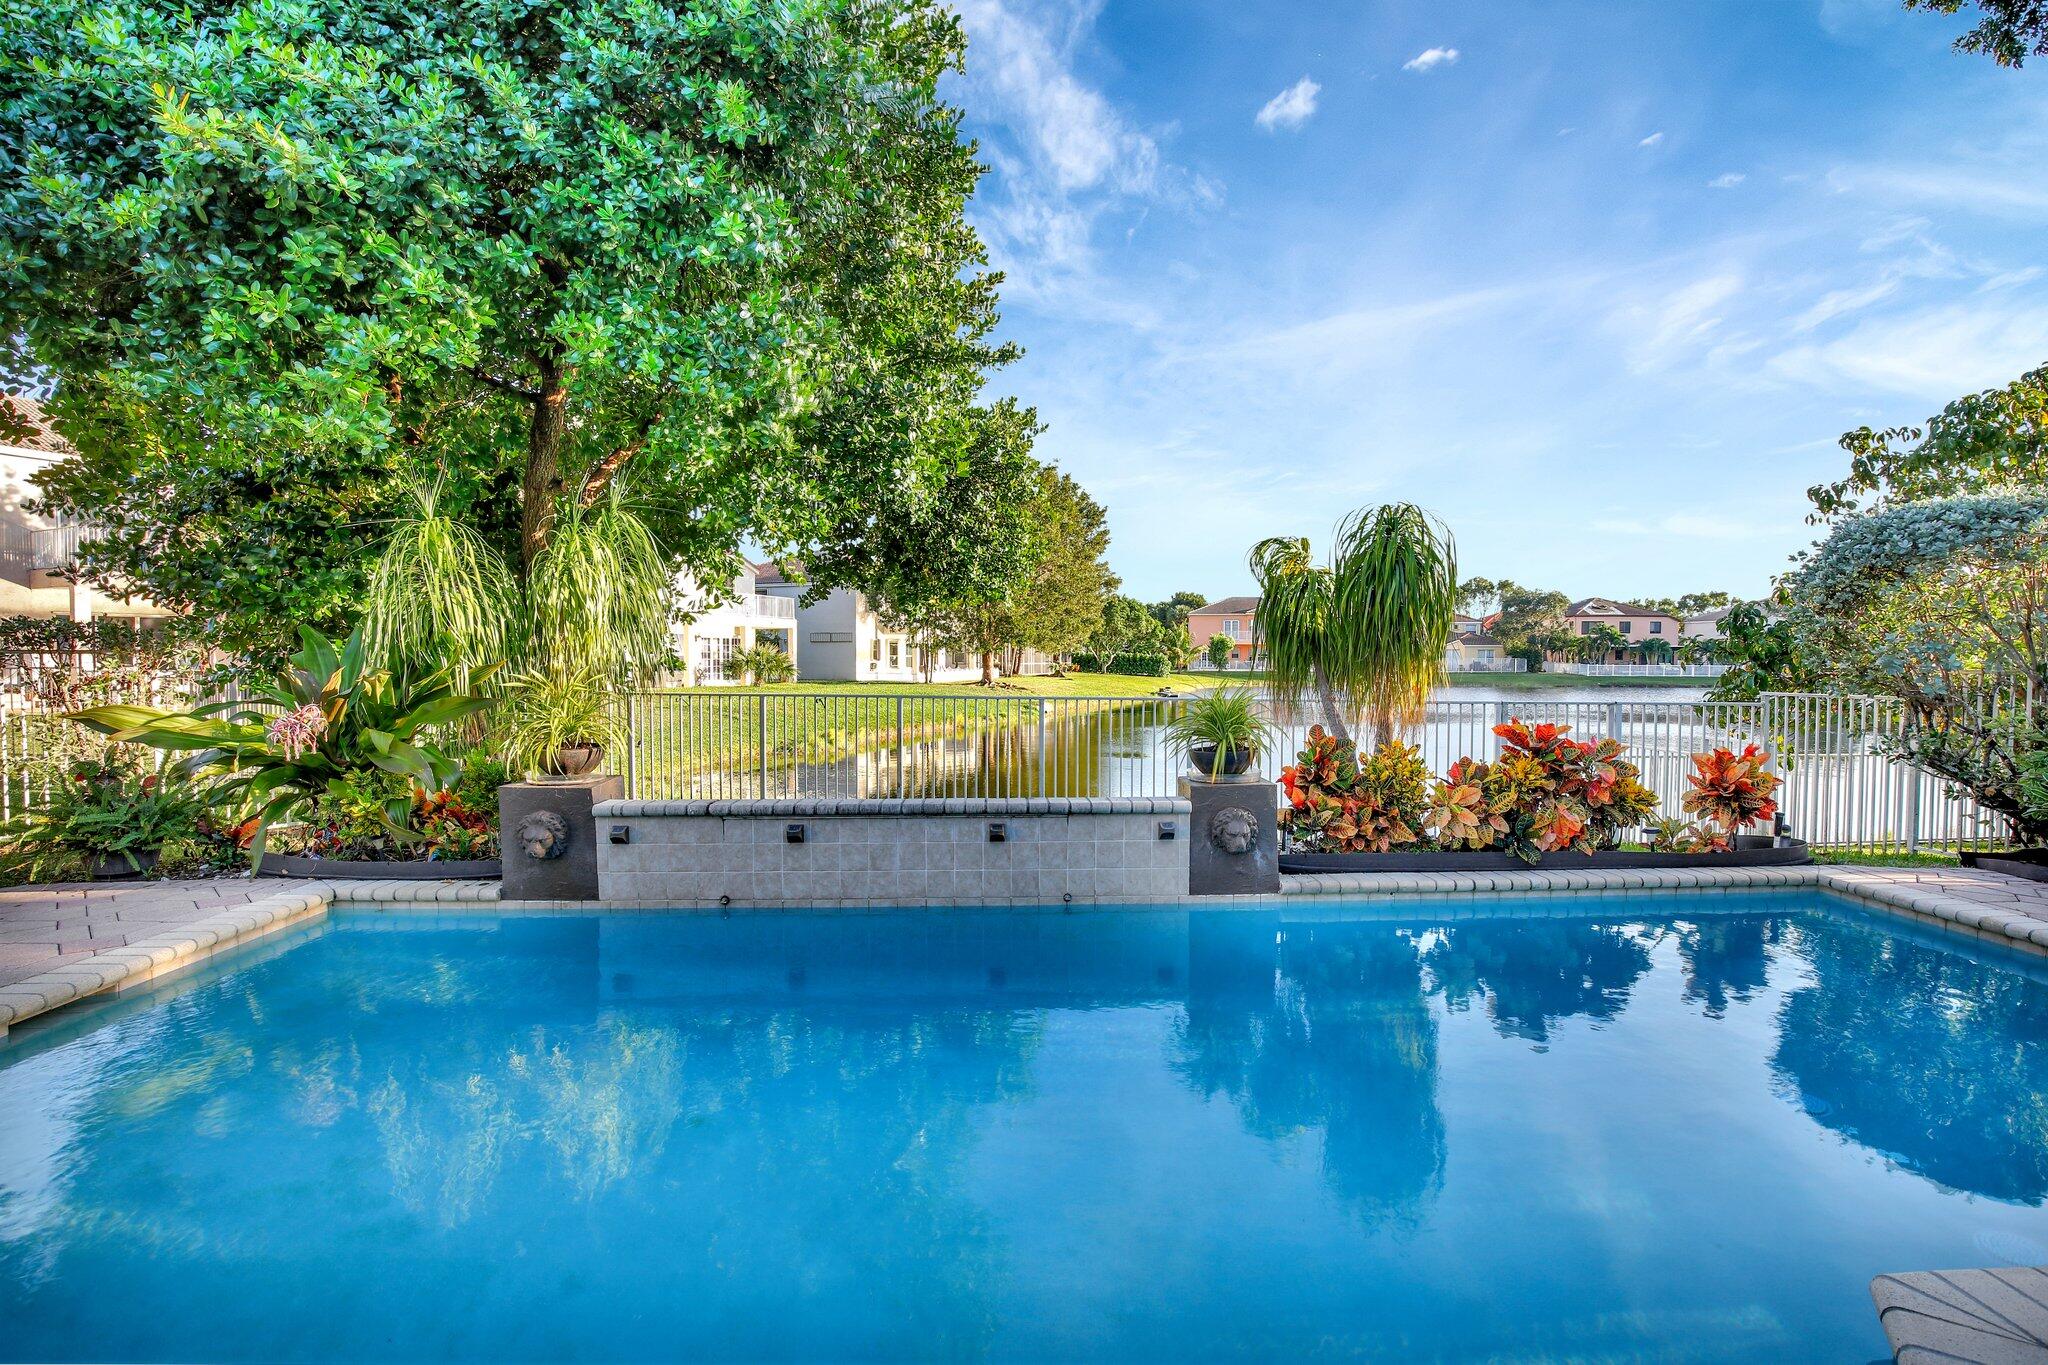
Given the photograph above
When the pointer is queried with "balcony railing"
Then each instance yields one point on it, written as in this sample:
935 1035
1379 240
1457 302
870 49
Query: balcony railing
772 608
56 547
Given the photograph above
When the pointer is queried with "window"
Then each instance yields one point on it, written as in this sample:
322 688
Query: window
895 654
1627 626
1585 627
1656 627
875 650
1230 628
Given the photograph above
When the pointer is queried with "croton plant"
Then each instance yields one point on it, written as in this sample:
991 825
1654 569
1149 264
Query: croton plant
1731 791
1545 793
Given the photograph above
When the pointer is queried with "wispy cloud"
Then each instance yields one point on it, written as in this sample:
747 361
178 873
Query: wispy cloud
1430 59
1062 155
1652 140
1290 108
1726 180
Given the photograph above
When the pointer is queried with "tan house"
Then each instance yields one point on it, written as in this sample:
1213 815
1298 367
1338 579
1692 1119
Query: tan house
37 553
1234 618
1636 625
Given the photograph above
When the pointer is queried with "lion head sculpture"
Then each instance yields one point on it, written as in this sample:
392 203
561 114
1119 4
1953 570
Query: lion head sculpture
544 835
1234 830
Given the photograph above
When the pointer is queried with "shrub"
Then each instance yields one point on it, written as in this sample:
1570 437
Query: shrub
1338 805
1731 791
764 663
1139 664
104 811
1219 650
340 719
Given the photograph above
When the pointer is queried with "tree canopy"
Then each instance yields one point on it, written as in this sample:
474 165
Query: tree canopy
1985 442
2007 31
283 257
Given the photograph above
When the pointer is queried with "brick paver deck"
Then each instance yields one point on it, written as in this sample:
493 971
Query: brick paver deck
42 927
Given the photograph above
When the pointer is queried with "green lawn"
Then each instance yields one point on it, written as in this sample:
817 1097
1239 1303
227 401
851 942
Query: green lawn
1552 682
1072 685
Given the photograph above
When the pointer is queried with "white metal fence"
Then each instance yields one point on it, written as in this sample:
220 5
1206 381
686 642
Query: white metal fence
1840 789
1638 670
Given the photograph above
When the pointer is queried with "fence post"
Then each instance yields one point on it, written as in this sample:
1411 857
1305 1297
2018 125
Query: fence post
1913 809
901 792
761 729
1042 704
632 746
1614 720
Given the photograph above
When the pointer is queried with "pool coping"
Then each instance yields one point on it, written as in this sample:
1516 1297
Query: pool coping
1985 906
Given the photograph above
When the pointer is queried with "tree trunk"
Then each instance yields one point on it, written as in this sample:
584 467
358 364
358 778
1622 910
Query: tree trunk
542 483
988 668
1332 712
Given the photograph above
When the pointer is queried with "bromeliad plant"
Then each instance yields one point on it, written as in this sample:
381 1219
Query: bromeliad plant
335 718
1731 791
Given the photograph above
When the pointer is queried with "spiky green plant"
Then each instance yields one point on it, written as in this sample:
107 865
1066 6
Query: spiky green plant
549 708
439 596
599 596
1366 632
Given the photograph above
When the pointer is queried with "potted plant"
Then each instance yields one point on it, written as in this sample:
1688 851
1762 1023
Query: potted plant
1730 792
106 819
561 721
1222 733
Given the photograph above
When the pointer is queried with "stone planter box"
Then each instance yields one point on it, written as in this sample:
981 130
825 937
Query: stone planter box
1751 850
2030 863
293 865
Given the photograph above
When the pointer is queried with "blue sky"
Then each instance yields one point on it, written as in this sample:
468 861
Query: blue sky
1599 283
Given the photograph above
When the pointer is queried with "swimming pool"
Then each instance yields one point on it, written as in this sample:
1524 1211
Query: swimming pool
1668 1127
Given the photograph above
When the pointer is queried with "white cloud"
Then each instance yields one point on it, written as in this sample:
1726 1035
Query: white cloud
1727 180
1840 301
1667 326
1430 59
1652 140
1930 355
1062 156
1290 108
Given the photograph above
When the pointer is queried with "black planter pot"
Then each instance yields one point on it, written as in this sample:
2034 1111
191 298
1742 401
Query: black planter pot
1751 850
2030 863
1202 760
296 865
574 760
117 869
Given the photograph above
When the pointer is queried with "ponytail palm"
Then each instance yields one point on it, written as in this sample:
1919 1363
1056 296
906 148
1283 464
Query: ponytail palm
1366 632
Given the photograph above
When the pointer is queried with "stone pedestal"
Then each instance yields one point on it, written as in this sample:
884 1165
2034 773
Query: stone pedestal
554 820
1233 836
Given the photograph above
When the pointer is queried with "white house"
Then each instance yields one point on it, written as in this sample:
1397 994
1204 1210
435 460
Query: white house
37 552
842 639
719 625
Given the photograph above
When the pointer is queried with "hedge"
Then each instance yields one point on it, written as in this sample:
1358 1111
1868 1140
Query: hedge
1134 664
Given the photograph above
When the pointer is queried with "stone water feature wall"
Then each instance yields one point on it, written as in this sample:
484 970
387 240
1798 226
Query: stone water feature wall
893 853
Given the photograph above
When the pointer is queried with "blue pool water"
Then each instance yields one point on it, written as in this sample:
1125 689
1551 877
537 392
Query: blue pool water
1676 1130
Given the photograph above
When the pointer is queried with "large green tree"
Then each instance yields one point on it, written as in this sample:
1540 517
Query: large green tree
2007 31
1943 604
1531 621
280 255
1994 441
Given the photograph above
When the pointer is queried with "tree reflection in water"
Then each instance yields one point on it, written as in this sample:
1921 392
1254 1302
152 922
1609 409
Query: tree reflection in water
1938 1060
1339 1041
1727 958
1532 974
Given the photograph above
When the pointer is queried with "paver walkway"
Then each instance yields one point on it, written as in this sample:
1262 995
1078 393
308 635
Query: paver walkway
50 926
